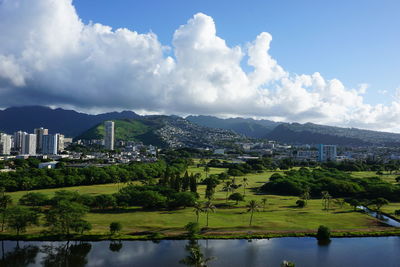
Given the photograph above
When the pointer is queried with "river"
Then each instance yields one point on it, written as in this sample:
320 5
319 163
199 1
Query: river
366 251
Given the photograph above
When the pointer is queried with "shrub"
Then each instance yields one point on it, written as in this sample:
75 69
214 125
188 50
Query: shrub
193 228
115 227
236 197
324 233
301 203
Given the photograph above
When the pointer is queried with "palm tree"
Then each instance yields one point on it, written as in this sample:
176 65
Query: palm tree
206 169
208 207
5 202
306 195
252 207
326 199
264 201
227 188
197 208
245 183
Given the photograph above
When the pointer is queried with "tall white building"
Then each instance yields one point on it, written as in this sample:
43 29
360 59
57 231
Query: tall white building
109 135
40 132
60 143
5 144
29 144
50 144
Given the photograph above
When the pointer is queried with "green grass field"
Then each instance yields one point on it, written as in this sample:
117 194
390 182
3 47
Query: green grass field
280 214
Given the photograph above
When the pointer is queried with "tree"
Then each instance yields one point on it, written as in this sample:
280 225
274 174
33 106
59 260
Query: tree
398 179
5 201
227 188
354 203
305 195
324 233
209 193
81 226
20 217
264 202
192 228
208 207
245 183
104 201
326 200
340 202
198 208
115 227
64 214
236 197
301 203
33 199
379 203
185 182
206 169
252 207
193 183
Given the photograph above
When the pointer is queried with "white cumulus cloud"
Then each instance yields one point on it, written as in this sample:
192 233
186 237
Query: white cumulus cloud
48 56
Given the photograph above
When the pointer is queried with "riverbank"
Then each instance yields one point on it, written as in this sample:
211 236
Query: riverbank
205 235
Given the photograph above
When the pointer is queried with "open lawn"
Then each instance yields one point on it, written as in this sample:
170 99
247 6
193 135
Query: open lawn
279 216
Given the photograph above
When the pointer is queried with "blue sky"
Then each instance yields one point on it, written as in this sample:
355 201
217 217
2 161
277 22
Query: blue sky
294 61
355 41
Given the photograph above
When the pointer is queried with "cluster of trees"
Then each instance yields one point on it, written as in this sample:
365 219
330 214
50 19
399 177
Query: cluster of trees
178 183
30 177
64 214
337 183
377 166
154 197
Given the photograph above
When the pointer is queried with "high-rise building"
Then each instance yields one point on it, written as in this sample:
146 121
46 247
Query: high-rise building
109 135
18 140
327 152
29 144
40 132
5 144
50 144
60 143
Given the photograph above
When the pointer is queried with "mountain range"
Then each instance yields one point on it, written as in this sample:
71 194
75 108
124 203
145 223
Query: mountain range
190 131
68 122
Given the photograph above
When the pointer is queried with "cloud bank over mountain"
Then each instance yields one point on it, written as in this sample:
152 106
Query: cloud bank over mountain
48 56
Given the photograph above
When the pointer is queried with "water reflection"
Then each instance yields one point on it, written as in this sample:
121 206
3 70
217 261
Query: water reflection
382 251
19 256
115 246
195 257
66 254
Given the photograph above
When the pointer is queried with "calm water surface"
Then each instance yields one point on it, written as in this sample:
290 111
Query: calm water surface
376 251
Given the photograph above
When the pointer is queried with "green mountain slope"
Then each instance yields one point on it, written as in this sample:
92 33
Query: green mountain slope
165 131
128 130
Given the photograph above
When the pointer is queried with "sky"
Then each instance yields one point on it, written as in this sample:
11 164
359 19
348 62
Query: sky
329 62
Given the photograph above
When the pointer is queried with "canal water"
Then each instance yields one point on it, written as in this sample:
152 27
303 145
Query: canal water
366 251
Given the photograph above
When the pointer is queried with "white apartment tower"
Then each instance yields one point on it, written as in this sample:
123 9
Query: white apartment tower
109 135
40 132
60 143
5 144
29 144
